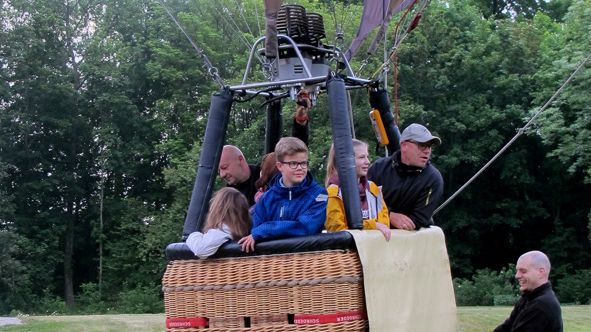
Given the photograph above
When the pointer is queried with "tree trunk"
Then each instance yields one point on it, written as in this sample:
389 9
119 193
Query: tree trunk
100 272
68 269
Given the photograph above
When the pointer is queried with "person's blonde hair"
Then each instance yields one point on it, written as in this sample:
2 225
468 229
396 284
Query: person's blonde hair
331 167
288 146
229 206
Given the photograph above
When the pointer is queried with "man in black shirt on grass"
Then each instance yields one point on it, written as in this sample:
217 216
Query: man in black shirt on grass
538 308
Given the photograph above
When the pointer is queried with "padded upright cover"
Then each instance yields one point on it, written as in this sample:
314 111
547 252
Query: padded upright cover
407 280
324 241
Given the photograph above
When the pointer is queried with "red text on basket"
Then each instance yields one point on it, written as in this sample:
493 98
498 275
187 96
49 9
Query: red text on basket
186 322
347 316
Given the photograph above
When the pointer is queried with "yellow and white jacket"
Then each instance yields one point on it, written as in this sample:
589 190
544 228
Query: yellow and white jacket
336 219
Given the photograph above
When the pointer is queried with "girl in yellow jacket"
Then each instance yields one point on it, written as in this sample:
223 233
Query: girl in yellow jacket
373 208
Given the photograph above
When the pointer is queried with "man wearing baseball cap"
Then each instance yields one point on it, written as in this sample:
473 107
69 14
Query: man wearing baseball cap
411 185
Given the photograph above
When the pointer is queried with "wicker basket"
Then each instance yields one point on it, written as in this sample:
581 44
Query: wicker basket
310 291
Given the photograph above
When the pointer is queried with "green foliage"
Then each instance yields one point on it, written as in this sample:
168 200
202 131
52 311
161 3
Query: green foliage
566 123
575 287
517 8
90 300
142 299
486 287
15 282
505 299
48 304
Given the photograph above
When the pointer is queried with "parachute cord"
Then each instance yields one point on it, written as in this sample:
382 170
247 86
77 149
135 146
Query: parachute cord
350 107
241 10
256 11
397 30
348 12
211 69
395 86
234 26
400 35
519 133
364 63
338 28
384 16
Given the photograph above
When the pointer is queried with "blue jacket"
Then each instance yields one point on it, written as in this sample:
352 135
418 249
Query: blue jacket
289 212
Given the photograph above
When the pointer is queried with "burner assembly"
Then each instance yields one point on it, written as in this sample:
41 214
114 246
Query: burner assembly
303 32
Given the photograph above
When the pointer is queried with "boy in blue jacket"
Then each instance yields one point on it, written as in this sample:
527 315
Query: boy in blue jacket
294 205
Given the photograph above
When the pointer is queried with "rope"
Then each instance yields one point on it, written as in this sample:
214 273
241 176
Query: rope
397 30
400 34
256 12
233 25
385 14
346 16
344 11
241 10
395 87
382 70
337 29
211 69
350 109
519 133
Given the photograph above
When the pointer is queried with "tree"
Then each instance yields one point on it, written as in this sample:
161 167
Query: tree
45 122
527 8
562 127
478 83
567 123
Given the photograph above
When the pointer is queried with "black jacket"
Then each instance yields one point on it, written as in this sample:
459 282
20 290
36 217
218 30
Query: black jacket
536 311
409 190
247 188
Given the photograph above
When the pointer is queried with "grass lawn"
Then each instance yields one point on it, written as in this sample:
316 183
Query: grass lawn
470 319
89 323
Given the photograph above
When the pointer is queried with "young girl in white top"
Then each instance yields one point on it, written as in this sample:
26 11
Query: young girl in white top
227 219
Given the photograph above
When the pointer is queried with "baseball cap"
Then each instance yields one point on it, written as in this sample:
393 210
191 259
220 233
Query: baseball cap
418 133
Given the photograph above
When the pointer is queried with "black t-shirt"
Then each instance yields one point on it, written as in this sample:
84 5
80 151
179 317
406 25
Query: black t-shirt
247 187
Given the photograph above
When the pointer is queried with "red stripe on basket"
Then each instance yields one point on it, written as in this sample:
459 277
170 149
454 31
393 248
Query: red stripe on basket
345 316
186 322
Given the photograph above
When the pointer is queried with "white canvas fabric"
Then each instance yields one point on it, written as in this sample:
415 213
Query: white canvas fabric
407 281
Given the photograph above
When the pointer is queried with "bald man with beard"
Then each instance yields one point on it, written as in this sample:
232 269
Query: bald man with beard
538 308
